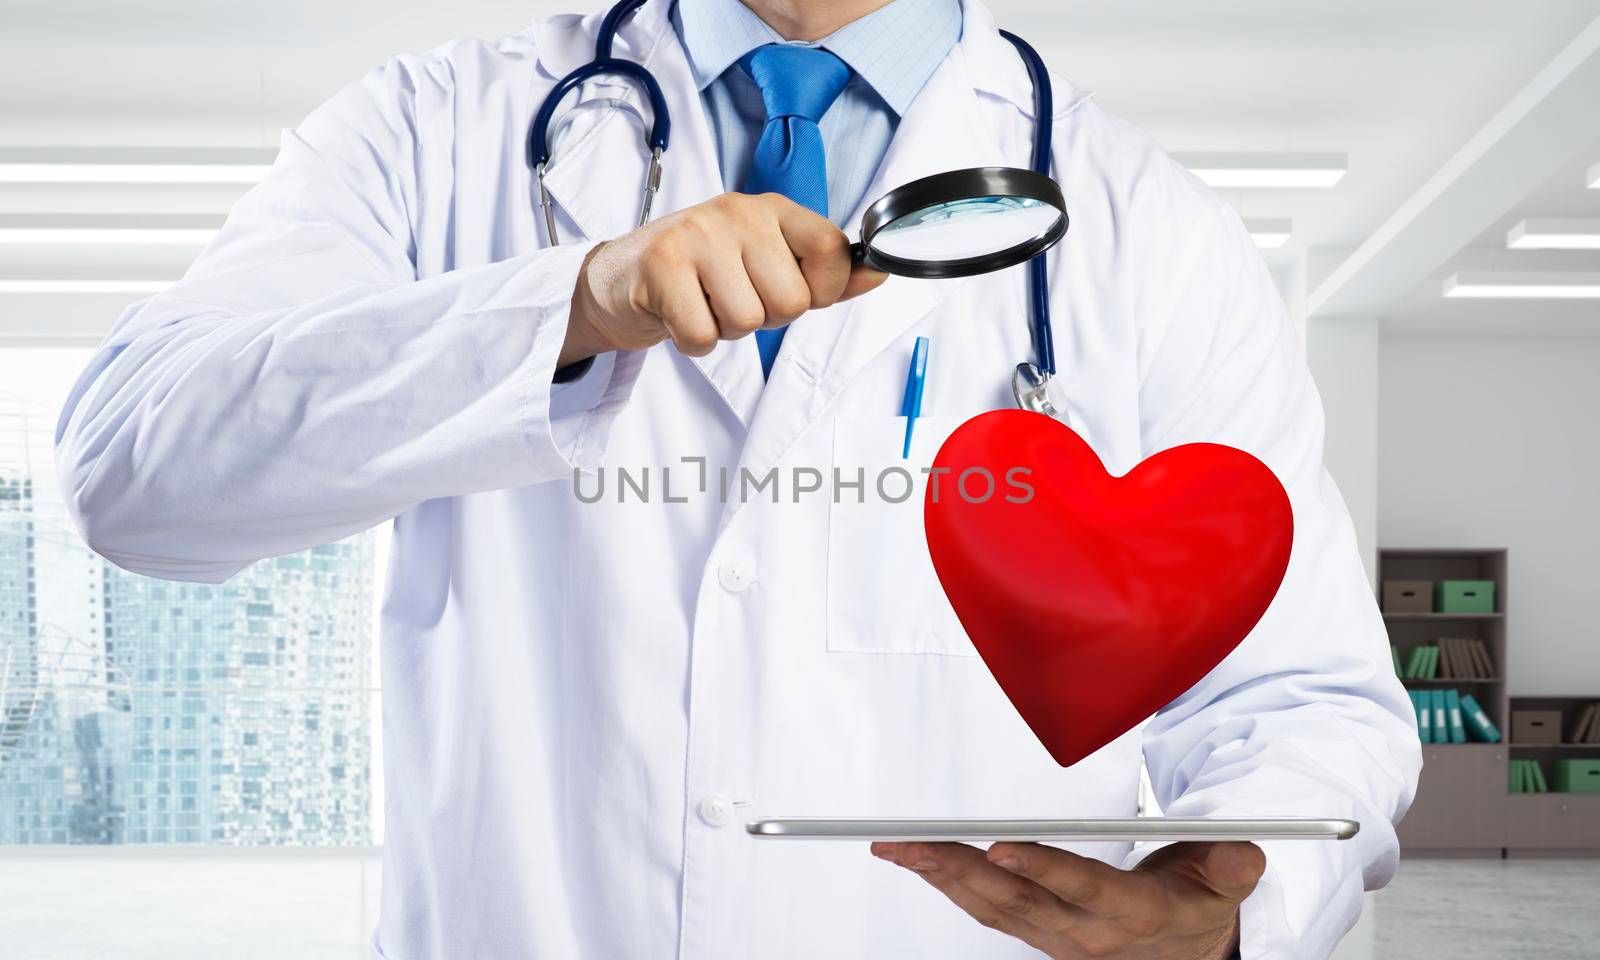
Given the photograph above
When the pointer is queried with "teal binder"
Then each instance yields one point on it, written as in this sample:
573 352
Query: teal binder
1477 722
1452 707
1419 698
1441 719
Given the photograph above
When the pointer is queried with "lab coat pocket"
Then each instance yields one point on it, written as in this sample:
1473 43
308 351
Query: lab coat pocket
882 593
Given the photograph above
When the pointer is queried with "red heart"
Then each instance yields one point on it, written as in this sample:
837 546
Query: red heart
1098 599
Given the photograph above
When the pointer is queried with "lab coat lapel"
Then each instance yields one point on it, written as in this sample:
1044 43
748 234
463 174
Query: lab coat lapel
598 179
823 350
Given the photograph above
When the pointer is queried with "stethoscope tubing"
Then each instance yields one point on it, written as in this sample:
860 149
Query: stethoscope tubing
605 64
1044 347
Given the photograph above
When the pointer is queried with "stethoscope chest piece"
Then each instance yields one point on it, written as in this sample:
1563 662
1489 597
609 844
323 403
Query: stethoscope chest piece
1031 388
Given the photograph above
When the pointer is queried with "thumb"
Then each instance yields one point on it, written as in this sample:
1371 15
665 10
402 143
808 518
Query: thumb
862 280
1232 869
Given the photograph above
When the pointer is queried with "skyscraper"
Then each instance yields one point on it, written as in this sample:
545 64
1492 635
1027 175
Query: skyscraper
249 702
33 762
19 663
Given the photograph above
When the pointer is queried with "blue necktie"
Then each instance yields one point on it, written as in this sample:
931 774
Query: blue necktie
797 84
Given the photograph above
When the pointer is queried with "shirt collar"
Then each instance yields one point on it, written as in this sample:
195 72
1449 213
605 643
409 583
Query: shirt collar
895 48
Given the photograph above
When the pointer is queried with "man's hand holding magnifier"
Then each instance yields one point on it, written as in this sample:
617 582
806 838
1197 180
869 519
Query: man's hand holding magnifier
718 270
1181 903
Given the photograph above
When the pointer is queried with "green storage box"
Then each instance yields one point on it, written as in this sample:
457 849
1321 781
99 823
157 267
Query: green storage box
1577 776
1464 596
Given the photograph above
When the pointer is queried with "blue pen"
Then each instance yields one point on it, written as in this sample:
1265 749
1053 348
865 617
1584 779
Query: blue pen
916 377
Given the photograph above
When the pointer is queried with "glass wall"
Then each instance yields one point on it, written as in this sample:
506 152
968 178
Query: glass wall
144 711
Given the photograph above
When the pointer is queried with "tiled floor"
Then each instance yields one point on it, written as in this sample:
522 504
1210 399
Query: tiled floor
243 905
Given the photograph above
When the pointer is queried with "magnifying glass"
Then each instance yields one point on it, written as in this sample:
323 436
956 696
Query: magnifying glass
962 223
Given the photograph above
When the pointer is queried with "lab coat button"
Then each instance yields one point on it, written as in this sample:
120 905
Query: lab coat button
716 810
736 576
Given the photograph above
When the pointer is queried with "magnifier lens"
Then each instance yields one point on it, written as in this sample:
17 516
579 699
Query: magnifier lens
966 228
963 222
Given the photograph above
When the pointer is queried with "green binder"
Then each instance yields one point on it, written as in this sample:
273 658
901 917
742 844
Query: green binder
1477 722
1537 770
1452 709
1414 663
1430 666
1419 699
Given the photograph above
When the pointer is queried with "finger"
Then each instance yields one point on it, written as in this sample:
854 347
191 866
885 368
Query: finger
1233 869
862 280
1014 895
734 302
943 865
821 249
681 304
1095 886
777 279
1230 870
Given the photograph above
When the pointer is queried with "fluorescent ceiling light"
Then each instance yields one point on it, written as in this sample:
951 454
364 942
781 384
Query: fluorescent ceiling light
1270 234
133 165
1266 170
84 286
1554 235
155 236
1545 285
128 173
37 230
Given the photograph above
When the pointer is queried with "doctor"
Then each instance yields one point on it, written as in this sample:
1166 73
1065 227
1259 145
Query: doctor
586 695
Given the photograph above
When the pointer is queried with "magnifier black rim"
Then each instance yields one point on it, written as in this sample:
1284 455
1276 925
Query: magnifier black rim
960 185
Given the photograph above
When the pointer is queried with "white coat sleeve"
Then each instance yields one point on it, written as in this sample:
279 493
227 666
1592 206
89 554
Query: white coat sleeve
1306 717
301 383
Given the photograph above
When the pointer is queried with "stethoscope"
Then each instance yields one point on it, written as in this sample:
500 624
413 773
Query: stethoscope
1029 201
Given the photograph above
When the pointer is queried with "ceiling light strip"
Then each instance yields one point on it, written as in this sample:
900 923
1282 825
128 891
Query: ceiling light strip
1284 171
1547 285
110 236
84 286
1536 234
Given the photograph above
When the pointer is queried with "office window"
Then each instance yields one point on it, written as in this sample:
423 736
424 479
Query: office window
135 710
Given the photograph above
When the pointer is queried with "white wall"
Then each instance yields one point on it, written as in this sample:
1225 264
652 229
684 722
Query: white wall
1343 354
1496 443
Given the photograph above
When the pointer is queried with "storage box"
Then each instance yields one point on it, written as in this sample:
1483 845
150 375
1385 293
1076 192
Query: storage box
1464 596
1536 726
1408 596
1576 776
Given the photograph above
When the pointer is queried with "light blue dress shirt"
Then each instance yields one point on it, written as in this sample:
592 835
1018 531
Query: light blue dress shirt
893 51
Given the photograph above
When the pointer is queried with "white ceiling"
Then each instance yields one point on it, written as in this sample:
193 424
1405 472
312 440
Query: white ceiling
1397 85
1425 313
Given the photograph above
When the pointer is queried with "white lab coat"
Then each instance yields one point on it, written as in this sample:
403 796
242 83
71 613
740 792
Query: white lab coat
584 702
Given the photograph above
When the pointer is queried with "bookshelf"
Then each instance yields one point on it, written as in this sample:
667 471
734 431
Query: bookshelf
1440 617
1463 800
1554 822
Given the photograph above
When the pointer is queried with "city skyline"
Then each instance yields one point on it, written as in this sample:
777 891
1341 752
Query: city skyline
135 710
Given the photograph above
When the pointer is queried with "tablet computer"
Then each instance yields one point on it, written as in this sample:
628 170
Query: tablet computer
1117 829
